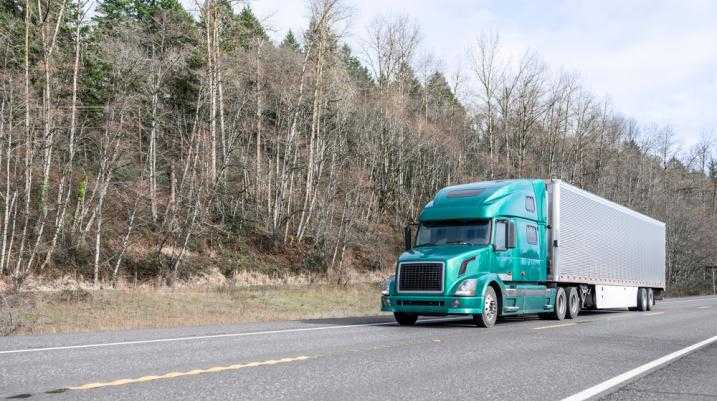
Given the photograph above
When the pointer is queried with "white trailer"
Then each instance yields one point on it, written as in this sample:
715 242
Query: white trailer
611 251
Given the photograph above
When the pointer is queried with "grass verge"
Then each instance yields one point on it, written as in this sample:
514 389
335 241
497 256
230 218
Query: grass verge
82 310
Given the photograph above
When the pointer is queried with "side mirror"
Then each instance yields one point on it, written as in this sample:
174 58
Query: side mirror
407 237
510 242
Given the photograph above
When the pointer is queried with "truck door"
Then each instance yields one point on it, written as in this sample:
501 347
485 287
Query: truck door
530 266
507 264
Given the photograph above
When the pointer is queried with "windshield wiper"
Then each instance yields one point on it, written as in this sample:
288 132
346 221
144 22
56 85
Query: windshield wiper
459 243
424 244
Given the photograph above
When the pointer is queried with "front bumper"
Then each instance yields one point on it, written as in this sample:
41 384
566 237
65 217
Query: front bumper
432 305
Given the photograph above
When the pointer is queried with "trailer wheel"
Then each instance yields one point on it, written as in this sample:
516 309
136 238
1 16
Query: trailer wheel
642 299
490 310
650 299
560 307
573 307
405 319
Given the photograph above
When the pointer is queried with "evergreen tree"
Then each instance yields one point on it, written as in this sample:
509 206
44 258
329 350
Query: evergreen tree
10 8
408 83
311 36
356 70
438 88
248 29
441 101
118 11
290 42
12 16
137 17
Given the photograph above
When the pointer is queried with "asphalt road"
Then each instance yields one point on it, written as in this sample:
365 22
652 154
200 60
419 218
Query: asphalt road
374 359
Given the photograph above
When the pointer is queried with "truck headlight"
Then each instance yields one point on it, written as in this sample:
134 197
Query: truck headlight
467 288
387 285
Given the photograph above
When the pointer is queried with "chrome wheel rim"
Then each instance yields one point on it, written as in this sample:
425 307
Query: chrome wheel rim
491 308
574 304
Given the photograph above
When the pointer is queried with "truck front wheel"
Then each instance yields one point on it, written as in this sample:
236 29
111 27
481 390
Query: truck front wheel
560 307
405 319
490 310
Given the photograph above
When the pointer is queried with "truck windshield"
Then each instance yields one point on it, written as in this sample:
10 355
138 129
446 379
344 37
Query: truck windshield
473 232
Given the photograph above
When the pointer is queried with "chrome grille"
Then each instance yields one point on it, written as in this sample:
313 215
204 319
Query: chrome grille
420 277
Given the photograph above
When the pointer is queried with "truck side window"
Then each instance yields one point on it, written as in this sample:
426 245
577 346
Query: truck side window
501 228
531 233
530 204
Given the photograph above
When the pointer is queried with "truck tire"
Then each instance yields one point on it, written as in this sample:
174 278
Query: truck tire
650 298
641 299
490 310
573 306
405 319
560 306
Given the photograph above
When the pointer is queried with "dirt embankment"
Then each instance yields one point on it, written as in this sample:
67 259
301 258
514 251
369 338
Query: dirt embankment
82 309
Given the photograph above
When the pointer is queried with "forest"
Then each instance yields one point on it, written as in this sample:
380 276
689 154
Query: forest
144 142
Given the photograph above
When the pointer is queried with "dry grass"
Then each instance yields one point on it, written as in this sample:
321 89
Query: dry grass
84 310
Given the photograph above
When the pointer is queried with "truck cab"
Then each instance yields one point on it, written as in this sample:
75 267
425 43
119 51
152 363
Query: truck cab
479 249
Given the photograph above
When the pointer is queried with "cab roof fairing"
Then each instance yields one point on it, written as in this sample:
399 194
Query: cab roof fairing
483 200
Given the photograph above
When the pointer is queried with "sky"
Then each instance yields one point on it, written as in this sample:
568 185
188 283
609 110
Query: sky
654 60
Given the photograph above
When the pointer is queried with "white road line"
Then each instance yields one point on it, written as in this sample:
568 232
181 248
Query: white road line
688 300
654 313
617 380
703 307
554 326
211 336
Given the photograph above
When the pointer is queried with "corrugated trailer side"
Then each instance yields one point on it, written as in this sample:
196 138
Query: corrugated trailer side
596 241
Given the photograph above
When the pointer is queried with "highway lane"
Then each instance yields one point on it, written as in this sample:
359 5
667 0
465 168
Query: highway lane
693 377
368 358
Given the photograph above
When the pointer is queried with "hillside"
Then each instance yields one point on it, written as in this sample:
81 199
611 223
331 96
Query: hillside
145 144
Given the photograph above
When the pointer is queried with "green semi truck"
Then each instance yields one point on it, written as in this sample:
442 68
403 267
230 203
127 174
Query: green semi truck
529 246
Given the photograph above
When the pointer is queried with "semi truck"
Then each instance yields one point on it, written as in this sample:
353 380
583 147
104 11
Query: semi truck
525 247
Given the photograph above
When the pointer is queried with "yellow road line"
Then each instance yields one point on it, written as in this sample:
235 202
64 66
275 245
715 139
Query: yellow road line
193 372
554 326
